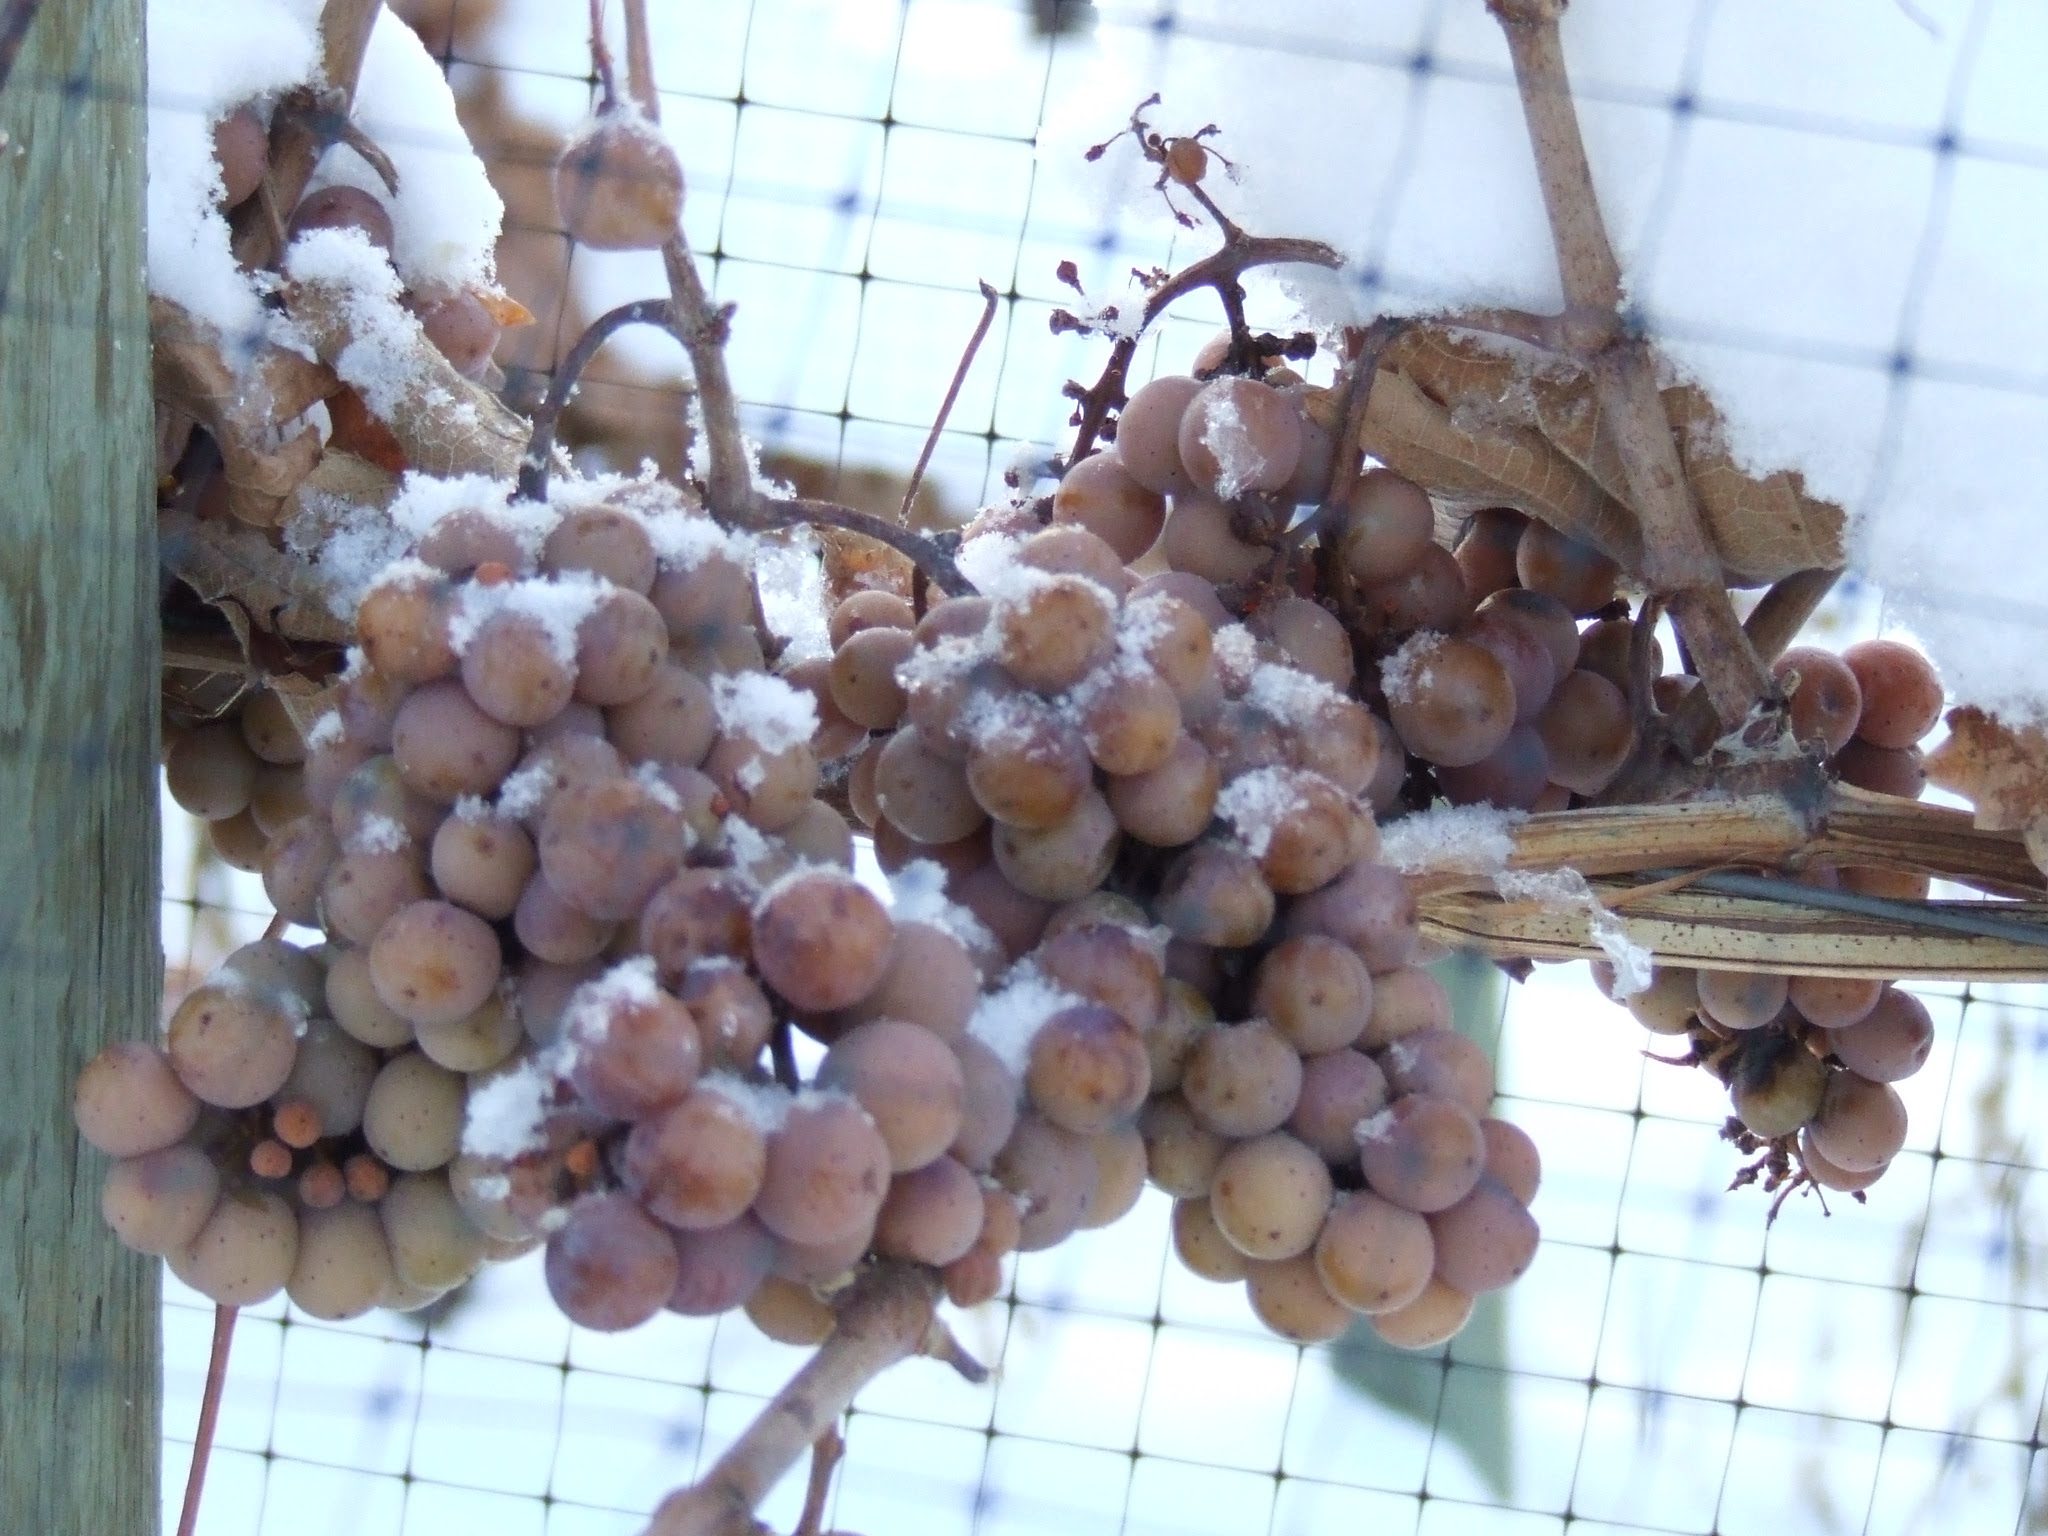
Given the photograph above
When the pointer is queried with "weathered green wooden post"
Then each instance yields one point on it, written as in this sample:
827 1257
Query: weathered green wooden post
79 962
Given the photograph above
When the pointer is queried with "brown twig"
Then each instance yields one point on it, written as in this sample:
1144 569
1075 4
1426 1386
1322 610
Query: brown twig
931 440
883 1319
304 125
535 467
1678 561
209 1416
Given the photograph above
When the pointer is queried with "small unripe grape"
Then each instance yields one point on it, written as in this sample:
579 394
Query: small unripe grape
618 184
1372 1255
245 1251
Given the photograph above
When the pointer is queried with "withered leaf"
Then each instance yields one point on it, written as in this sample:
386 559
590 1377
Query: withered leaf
239 571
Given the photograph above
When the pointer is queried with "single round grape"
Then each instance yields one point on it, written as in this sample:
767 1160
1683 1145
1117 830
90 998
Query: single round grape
1088 1069
1742 999
1512 1158
1835 1002
211 772
1108 964
1028 767
1201 539
1430 594
620 646
1902 695
541 993
1051 633
1669 1005
1440 1062
671 722
1214 893
1289 1297
514 671
604 847
1777 1086
609 1267
1368 907
1545 616
1269 1196
245 1251
1339 1089
1061 862
604 541
269 731
700 1162
1201 1245
1607 648
373 809
1513 775
1898 771
836 736
1422 1153
923 794
433 962
469 537
1431 1319
331 1077
909 1082
733 1016
1184 1017
157 1202
1119 1176
446 747
1239 435
1486 1241
343 1265
714 591
1574 573
1181 1153
931 980
1016 919
1242 1079
1454 705
1827 1175
231 1045
1891 1042
767 789
482 864
1314 639
1101 495
1130 720
1170 632
129 1100
1825 701
1485 551
1520 644
990 1096
1002 1224
1372 1255
633 1055
822 940
551 928
402 626
932 1215
827 1172
789 1313
1169 805
1052 1173
1148 434
278 967
413 1116
342 207
699 914
1388 523
719 1268
863 677
1315 991
869 608
279 798
364 887
462 329
1860 1125
352 1001
1589 731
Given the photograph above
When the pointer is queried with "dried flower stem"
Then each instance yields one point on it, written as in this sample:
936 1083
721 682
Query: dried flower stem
209 1416
931 438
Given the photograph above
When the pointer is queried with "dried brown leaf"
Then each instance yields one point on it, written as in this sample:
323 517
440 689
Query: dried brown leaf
251 581
2001 771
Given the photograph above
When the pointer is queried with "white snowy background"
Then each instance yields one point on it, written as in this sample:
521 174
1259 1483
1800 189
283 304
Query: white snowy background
1833 212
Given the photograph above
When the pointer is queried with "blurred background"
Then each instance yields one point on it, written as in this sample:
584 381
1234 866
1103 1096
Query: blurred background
1670 1364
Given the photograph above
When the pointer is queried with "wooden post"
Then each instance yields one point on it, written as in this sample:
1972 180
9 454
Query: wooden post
79 647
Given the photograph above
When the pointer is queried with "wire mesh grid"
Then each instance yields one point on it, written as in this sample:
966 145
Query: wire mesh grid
1670 1363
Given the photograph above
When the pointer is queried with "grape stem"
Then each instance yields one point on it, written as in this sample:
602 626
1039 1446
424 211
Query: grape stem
1678 561
209 1416
931 439
884 1317
826 1454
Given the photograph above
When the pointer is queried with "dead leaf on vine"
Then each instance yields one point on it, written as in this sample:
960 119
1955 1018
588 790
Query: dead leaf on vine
1482 425
251 581
2001 771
